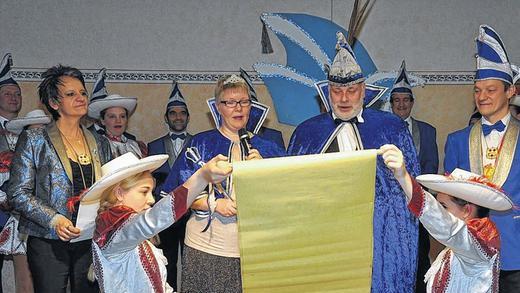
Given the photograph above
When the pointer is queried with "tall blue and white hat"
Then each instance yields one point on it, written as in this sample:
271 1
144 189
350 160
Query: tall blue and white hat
402 82
99 90
492 60
176 98
249 82
344 71
5 71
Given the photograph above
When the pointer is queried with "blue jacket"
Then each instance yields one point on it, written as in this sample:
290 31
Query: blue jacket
272 135
463 150
41 179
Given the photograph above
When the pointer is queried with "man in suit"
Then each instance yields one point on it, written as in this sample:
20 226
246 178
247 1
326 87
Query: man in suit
424 135
10 105
491 146
177 118
424 140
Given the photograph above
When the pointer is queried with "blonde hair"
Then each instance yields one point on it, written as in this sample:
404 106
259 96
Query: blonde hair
108 196
223 84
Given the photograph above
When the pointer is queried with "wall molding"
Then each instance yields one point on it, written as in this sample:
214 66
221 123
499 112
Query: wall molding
151 76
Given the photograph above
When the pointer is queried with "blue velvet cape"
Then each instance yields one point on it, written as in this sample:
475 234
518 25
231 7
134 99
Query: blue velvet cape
210 144
395 228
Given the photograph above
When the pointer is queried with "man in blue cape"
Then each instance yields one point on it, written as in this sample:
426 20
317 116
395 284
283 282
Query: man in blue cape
349 127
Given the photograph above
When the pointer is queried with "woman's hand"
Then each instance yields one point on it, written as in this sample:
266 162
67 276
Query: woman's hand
217 169
65 229
394 160
254 154
226 207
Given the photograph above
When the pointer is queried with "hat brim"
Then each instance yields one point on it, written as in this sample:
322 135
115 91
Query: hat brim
474 192
95 107
17 124
151 163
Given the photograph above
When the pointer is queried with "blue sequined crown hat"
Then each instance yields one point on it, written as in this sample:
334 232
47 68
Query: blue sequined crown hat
99 90
176 98
5 71
344 70
402 82
492 60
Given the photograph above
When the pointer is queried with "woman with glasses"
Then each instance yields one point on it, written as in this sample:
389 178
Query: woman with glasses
211 257
51 167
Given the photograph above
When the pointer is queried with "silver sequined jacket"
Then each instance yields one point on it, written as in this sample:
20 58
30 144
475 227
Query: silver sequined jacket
41 178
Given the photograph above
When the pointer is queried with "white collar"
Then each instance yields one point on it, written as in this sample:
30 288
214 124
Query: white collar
2 120
504 120
178 133
359 116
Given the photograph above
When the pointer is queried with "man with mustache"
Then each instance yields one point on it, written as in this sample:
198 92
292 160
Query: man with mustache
177 117
350 127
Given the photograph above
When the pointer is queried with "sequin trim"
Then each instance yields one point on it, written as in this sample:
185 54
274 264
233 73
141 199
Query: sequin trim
416 204
150 266
98 268
442 278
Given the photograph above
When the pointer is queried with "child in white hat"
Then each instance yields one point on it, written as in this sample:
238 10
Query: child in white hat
124 260
457 219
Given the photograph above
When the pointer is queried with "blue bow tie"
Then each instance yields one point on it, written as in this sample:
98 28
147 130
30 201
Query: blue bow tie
499 126
175 136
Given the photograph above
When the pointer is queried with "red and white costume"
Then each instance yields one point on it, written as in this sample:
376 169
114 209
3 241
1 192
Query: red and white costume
470 261
124 260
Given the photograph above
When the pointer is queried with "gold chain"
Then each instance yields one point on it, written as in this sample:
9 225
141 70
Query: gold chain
82 159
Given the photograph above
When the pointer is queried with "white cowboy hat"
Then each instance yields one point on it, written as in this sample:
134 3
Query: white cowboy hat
120 168
96 106
469 187
16 125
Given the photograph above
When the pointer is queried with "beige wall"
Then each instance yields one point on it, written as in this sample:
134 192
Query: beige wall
446 107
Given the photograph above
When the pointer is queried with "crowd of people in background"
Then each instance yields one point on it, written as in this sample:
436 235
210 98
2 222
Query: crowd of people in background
51 163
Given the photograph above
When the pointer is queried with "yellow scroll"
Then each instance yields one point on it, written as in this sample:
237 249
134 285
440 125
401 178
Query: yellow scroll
305 222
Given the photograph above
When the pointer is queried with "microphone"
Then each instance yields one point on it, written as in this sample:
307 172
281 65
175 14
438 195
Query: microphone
245 141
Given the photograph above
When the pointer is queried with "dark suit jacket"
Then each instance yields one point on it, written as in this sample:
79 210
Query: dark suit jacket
164 145
425 141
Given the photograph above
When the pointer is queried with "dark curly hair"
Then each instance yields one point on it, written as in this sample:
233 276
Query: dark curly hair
52 78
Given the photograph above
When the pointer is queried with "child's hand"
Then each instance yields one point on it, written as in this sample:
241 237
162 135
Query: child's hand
217 169
394 160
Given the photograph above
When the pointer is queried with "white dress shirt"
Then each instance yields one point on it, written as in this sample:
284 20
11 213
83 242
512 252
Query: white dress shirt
347 137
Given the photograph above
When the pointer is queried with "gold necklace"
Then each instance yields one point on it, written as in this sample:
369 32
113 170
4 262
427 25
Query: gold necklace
82 159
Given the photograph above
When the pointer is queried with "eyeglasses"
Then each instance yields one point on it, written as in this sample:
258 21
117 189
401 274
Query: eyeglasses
233 103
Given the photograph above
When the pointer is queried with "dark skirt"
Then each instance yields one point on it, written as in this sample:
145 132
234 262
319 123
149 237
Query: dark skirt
207 273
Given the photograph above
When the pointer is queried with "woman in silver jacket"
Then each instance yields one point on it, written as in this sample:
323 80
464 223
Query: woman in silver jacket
51 167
